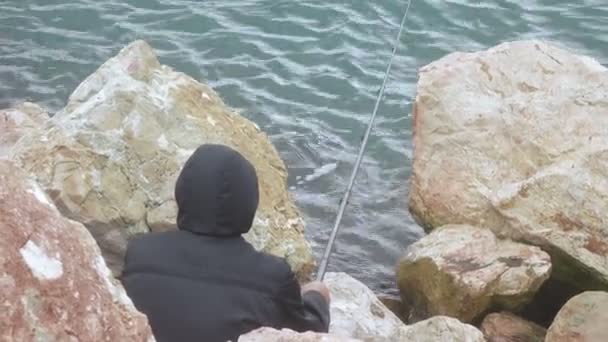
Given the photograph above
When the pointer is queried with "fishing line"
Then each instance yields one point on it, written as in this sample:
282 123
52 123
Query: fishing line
344 201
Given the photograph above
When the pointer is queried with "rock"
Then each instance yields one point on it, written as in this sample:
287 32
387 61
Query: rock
54 284
462 271
506 327
396 305
549 299
442 329
514 139
286 335
110 158
582 319
16 122
163 217
436 329
356 312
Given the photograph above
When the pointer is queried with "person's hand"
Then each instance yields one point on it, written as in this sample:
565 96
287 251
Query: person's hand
318 287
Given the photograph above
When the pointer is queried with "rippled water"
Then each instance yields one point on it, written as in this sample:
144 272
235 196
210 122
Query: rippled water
307 72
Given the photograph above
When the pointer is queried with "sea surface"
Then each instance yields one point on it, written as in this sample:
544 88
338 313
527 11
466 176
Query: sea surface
307 72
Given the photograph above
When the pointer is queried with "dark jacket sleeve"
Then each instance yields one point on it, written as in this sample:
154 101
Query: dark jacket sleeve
309 312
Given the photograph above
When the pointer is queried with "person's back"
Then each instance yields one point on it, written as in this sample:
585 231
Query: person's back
204 282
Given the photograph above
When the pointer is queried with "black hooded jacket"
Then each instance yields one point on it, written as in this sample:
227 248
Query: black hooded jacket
204 282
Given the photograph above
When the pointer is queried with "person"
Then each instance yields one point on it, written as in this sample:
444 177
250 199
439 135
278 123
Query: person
204 281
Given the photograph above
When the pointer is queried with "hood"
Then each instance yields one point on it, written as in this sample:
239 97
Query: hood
216 192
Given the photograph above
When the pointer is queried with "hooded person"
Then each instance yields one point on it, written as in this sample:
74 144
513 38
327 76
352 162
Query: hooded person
204 281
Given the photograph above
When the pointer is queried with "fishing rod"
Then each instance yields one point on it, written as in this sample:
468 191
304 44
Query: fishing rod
344 201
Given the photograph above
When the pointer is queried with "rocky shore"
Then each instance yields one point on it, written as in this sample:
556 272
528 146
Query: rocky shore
510 180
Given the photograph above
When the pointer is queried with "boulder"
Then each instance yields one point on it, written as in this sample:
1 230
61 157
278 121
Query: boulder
356 312
16 122
110 158
514 139
286 335
437 329
442 329
462 271
506 327
54 283
582 319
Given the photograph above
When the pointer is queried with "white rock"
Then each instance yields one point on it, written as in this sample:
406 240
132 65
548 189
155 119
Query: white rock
41 265
110 158
16 122
357 312
515 139
357 315
286 335
442 329
462 271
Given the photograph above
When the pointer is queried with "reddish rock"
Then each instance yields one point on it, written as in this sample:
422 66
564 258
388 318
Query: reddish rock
506 327
54 284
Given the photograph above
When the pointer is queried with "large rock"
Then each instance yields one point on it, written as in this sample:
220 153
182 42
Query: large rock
54 284
515 138
110 158
357 312
16 122
442 329
506 327
582 319
462 271
286 335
